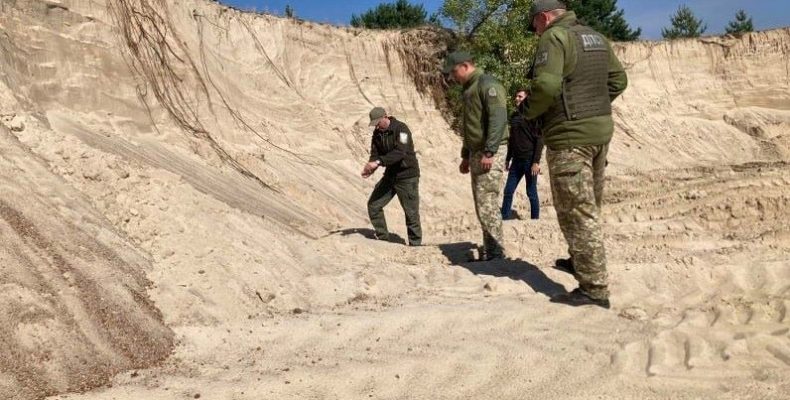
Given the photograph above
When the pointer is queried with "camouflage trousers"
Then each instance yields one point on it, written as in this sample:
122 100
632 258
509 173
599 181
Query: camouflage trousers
486 187
577 181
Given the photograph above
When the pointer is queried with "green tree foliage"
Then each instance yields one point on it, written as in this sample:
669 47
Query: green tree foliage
741 24
495 32
684 25
604 17
400 14
289 11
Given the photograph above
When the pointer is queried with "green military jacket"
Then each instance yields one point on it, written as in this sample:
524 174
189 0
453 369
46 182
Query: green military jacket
485 114
556 59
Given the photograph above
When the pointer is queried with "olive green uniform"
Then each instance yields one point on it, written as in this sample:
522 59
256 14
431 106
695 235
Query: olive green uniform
576 75
485 131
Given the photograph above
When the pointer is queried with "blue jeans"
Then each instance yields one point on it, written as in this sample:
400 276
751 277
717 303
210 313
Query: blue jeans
520 168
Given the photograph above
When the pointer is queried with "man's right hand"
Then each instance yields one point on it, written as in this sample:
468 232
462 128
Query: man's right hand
464 167
369 169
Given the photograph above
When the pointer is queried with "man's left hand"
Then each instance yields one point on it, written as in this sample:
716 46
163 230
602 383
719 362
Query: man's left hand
535 169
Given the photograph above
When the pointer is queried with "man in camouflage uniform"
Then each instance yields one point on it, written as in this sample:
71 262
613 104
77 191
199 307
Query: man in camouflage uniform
484 145
576 76
393 147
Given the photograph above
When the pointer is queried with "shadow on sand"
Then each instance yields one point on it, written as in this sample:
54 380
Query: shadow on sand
368 234
458 254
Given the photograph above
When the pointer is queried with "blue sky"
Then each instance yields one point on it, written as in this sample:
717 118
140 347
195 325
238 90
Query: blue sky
650 15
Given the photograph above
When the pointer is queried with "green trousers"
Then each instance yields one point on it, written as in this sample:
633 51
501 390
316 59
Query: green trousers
408 192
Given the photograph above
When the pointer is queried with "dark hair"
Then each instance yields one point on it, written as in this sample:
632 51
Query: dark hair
521 89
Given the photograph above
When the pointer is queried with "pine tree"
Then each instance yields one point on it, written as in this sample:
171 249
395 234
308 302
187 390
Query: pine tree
400 14
684 25
604 17
741 24
289 11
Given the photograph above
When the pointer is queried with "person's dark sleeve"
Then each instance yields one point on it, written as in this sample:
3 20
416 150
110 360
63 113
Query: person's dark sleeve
510 144
465 152
396 155
538 149
374 152
495 102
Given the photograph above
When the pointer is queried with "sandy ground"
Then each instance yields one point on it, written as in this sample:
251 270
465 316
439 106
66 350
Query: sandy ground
182 217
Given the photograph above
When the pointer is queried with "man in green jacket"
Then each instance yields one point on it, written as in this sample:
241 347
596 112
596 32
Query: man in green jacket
484 146
576 76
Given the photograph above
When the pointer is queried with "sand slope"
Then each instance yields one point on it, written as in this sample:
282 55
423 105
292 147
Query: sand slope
215 154
75 309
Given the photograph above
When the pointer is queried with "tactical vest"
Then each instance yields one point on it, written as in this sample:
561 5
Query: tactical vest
585 92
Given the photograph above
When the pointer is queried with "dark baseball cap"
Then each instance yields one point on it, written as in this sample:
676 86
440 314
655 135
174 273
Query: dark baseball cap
376 114
539 6
454 59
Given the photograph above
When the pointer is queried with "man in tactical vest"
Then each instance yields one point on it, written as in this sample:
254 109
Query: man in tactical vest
392 146
576 76
484 146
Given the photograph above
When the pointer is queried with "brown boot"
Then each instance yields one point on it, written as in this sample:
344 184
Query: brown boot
577 298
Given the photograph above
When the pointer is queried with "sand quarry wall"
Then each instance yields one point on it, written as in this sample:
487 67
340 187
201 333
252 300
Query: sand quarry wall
165 163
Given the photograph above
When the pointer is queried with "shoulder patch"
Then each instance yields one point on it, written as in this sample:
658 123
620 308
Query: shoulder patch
403 137
492 92
542 58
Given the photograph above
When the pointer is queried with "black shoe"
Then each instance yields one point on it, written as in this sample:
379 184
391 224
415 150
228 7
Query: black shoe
495 256
513 216
565 265
485 257
389 238
576 298
382 236
482 258
415 244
